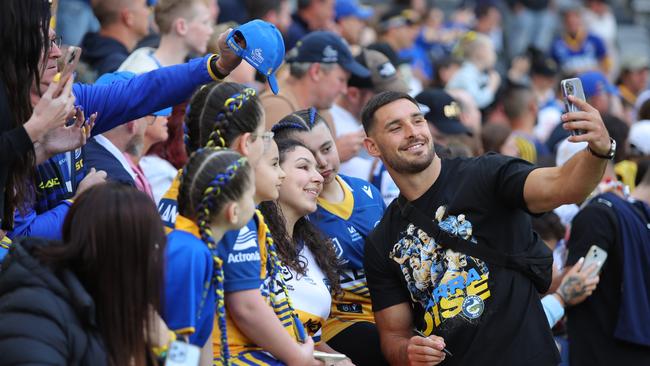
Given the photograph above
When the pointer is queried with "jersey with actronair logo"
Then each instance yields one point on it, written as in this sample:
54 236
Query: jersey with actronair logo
347 224
247 266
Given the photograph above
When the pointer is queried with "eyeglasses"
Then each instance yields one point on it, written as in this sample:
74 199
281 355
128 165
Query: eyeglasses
56 41
265 136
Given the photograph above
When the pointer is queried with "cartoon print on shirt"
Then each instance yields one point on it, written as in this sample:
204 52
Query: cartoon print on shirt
450 286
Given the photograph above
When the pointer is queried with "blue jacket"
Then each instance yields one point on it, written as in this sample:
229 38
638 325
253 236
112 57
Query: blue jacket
58 178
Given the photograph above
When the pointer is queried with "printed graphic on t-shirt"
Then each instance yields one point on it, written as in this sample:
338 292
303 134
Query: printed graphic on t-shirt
451 287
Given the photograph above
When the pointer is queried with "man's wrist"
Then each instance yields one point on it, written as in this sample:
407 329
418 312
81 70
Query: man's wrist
609 155
215 69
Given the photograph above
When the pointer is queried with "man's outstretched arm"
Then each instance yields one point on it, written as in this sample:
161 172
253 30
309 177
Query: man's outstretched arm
548 188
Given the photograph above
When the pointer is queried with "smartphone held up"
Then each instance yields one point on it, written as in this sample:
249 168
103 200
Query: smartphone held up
70 62
573 87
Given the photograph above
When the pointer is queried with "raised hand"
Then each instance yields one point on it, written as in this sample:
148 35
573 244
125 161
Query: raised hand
589 120
68 138
228 60
50 112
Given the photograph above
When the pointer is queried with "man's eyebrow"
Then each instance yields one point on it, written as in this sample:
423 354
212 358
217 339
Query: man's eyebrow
413 115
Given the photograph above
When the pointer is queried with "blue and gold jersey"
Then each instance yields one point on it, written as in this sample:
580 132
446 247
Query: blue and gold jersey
189 289
347 224
247 266
168 205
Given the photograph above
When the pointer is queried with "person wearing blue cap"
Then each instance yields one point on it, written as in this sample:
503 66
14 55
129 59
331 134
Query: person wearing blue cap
351 17
61 178
123 24
319 68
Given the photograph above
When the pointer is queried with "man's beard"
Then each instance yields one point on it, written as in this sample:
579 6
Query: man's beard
403 166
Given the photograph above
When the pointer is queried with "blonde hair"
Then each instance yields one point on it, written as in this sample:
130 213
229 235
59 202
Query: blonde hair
167 11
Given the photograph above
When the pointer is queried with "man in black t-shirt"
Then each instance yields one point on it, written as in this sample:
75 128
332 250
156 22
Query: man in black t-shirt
478 311
611 326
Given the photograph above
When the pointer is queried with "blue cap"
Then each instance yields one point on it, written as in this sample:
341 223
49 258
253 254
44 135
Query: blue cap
596 83
326 48
351 8
120 76
264 48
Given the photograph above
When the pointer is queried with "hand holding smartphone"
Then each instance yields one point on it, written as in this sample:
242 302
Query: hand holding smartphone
572 87
595 255
70 62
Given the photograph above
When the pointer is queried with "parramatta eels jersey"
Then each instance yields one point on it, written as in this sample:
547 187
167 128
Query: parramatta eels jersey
347 224
168 205
247 266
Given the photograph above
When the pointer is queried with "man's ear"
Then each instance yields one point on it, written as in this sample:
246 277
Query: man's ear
180 25
353 94
131 126
314 72
371 147
127 17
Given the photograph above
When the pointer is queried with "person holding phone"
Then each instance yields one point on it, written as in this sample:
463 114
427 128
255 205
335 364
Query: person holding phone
59 178
477 309
611 325
25 127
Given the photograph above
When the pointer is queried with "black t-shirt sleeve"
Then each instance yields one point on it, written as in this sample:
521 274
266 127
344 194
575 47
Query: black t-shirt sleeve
386 289
596 224
505 177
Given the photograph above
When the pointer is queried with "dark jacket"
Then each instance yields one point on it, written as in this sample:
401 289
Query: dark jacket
14 142
103 54
101 159
47 318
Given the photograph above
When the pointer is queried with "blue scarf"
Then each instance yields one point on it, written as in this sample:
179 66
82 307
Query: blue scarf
634 228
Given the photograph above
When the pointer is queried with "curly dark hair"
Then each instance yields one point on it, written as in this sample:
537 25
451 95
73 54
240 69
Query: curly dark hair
304 232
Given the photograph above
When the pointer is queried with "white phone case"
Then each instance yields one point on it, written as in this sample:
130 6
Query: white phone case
183 354
596 255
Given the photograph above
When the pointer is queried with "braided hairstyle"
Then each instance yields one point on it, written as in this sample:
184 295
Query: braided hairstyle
300 121
220 112
212 179
304 232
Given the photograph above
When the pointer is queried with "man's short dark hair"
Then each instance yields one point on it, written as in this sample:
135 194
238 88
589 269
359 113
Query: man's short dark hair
258 9
378 101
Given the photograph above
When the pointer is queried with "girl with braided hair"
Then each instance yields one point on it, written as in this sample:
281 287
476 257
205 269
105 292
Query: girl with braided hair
309 262
262 326
220 115
348 209
215 196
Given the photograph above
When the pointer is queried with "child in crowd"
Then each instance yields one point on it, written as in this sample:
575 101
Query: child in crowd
220 114
215 196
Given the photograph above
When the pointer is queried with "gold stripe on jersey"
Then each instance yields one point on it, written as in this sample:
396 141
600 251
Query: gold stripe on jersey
354 306
341 209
